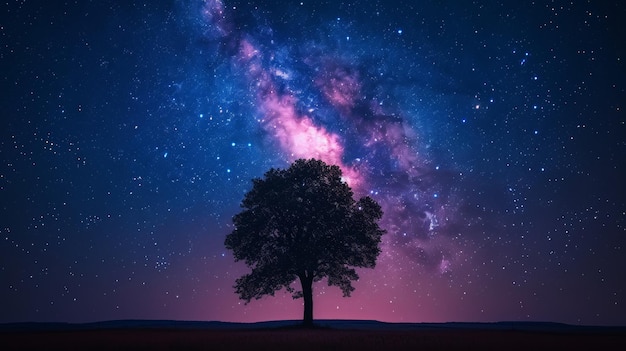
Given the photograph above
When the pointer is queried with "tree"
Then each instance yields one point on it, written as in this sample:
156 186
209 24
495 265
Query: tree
303 223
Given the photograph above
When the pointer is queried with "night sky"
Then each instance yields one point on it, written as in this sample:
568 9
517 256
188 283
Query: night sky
492 133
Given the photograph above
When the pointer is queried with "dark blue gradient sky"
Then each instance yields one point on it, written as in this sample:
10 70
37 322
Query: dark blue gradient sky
492 133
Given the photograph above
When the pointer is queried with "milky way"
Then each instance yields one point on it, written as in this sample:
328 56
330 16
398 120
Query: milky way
491 133
385 162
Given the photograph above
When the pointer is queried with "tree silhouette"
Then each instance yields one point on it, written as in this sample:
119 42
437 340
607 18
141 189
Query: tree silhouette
303 223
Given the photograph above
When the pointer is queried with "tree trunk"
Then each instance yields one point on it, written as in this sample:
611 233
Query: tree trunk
307 294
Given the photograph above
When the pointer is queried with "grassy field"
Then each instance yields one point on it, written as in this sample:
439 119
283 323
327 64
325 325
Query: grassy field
308 339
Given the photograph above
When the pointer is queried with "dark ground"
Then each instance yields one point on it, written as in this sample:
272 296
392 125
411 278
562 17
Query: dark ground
329 336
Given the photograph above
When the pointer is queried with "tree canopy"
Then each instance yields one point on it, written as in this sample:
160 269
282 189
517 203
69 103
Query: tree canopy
303 223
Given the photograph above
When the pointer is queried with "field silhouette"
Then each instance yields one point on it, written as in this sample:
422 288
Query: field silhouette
326 335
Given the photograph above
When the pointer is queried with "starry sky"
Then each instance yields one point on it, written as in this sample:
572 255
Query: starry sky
492 133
